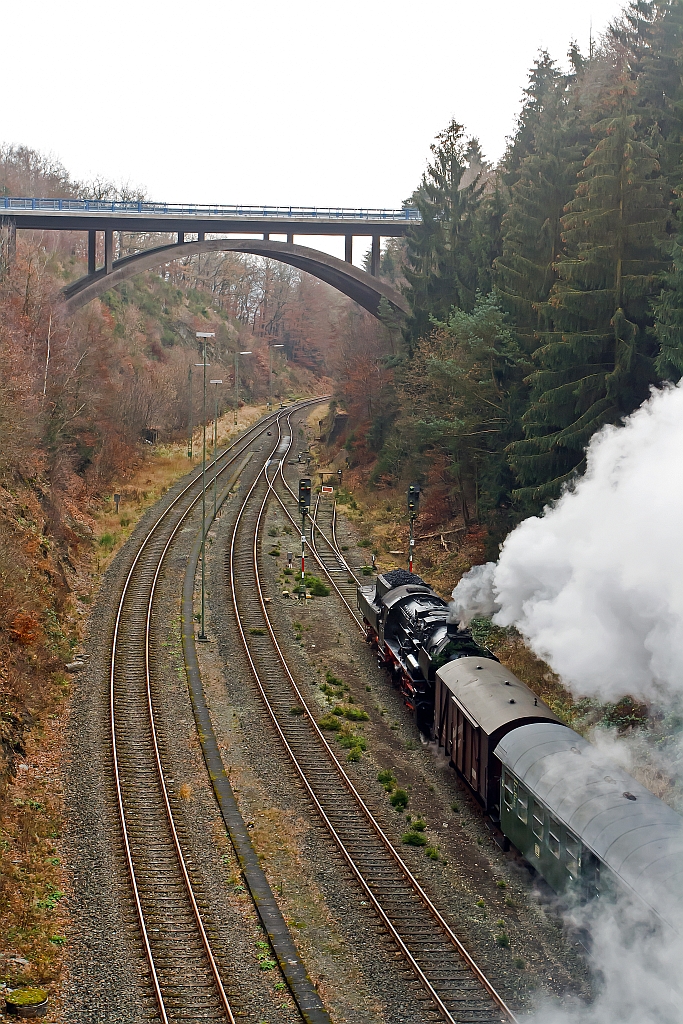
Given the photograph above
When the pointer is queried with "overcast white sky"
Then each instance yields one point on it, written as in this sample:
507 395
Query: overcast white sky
292 102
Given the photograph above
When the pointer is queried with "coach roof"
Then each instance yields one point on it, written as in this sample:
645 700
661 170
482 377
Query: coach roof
490 695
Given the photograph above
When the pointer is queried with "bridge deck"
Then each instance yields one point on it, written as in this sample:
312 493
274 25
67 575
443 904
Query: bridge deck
95 214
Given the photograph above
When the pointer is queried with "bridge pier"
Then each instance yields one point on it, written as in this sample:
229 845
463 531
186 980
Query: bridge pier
92 251
290 239
374 256
348 248
108 250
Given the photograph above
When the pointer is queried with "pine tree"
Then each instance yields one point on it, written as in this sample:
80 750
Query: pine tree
597 361
463 395
487 244
440 270
543 78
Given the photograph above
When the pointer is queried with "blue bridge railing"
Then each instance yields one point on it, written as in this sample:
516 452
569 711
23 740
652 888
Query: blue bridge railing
172 210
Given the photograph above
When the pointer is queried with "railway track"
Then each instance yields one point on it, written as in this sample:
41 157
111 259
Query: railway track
184 971
324 546
452 984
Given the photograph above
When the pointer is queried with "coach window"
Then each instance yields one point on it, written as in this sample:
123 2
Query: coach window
508 791
554 838
537 821
523 806
572 858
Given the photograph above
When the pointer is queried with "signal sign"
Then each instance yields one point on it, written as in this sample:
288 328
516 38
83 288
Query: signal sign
304 494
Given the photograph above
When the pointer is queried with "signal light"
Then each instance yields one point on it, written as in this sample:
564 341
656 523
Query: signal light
304 494
413 497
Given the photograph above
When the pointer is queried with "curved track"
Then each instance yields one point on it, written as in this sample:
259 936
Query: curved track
183 969
458 990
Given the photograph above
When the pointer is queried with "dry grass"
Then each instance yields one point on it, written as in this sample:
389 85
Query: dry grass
185 791
319 412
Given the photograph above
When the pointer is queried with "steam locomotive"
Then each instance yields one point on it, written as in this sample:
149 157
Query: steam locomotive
578 818
408 624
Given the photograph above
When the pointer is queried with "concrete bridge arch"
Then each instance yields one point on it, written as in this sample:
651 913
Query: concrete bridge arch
358 285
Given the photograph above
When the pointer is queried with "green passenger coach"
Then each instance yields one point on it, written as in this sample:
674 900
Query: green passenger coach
586 824
546 842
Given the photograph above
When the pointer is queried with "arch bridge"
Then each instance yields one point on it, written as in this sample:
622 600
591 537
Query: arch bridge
107 218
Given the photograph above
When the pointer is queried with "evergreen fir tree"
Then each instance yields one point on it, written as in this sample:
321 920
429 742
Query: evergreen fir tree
544 182
597 362
660 94
668 310
439 268
487 244
656 65
461 398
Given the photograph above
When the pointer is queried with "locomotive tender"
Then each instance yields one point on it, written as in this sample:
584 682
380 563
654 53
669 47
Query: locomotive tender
579 819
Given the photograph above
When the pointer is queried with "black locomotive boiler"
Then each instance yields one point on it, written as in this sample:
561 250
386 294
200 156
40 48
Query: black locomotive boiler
407 623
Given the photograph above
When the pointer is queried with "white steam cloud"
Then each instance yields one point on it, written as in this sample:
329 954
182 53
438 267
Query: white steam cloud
636 970
596 583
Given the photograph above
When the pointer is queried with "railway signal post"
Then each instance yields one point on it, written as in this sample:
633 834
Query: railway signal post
413 504
304 506
203 335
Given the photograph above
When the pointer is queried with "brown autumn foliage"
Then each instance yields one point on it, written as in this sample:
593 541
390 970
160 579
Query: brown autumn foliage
80 397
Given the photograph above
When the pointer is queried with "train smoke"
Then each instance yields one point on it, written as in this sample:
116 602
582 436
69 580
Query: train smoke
636 970
595 583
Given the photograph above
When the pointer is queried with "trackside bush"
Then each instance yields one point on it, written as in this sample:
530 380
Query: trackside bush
414 838
399 799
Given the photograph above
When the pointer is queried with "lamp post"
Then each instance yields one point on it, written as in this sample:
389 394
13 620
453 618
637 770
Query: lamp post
189 425
237 379
215 441
270 373
203 335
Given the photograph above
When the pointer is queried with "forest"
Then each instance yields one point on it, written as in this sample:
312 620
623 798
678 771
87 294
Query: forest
546 292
